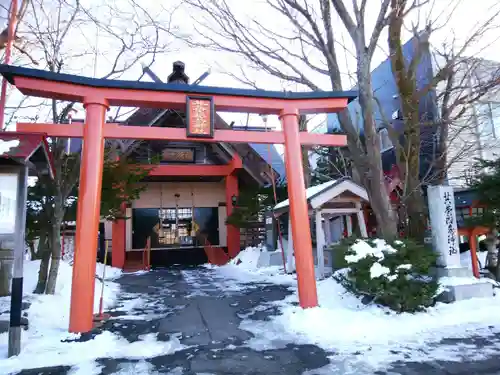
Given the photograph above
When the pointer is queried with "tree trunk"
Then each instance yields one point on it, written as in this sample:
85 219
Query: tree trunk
55 250
408 161
492 244
382 209
408 152
305 153
52 279
417 222
31 246
43 271
307 167
375 181
492 263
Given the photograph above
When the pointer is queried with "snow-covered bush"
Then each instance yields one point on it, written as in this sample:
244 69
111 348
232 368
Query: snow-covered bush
396 275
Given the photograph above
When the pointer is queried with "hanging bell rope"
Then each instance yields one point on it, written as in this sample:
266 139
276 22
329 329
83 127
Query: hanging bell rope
194 226
273 181
177 239
161 232
101 299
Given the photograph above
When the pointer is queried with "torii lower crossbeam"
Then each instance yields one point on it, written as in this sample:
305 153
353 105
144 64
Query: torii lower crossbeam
200 103
117 131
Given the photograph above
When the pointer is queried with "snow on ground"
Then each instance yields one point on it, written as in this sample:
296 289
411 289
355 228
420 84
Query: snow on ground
342 324
466 261
243 269
45 343
248 258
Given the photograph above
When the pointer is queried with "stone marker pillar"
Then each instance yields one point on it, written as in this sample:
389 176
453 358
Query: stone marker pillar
270 257
271 236
459 282
444 225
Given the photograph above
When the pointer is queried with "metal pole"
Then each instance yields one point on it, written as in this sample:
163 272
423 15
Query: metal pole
8 51
16 298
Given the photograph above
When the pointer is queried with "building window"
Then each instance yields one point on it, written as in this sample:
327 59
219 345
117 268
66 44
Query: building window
468 175
476 211
462 213
488 114
397 115
494 118
385 141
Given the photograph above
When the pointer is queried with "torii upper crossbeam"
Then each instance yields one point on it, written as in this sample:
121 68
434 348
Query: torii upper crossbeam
200 103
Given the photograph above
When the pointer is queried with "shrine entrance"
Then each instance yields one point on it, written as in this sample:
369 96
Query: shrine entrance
200 104
177 232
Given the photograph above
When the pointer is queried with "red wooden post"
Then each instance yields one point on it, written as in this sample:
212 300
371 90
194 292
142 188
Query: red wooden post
233 233
118 242
301 230
473 252
87 225
11 28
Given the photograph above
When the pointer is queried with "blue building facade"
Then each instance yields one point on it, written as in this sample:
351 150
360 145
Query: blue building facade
386 91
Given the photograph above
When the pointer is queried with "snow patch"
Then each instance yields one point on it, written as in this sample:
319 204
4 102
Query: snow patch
86 368
110 273
248 258
377 270
466 261
454 280
404 267
5 146
344 325
243 270
362 250
363 335
47 341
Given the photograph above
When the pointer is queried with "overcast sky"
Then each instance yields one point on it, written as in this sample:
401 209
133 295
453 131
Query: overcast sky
468 14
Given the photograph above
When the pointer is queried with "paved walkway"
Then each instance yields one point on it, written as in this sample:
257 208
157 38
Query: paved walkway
204 314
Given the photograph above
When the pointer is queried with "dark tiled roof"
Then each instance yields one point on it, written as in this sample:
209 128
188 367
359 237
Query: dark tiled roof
251 153
10 72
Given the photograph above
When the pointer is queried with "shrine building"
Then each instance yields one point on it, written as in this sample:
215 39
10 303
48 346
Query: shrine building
189 194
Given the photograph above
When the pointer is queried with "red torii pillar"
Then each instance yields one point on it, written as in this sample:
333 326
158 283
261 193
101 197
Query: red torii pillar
232 189
88 214
301 230
233 233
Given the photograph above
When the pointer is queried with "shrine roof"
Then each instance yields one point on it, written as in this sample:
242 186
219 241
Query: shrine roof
318 195
11 72
23 147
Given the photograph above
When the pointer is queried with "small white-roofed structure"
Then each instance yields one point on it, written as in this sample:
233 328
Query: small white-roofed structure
333 205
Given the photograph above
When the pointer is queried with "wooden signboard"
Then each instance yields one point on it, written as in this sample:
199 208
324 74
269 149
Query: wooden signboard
8 202
200 117
178 155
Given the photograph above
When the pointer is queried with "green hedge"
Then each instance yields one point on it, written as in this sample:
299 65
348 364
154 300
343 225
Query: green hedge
404 282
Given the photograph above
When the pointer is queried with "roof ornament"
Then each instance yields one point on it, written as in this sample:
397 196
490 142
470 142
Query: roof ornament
178 75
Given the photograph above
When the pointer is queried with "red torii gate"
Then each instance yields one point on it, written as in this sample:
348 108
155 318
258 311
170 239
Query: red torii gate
200 103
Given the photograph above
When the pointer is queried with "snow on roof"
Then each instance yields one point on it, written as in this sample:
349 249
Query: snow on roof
310 192
21 147
5 146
